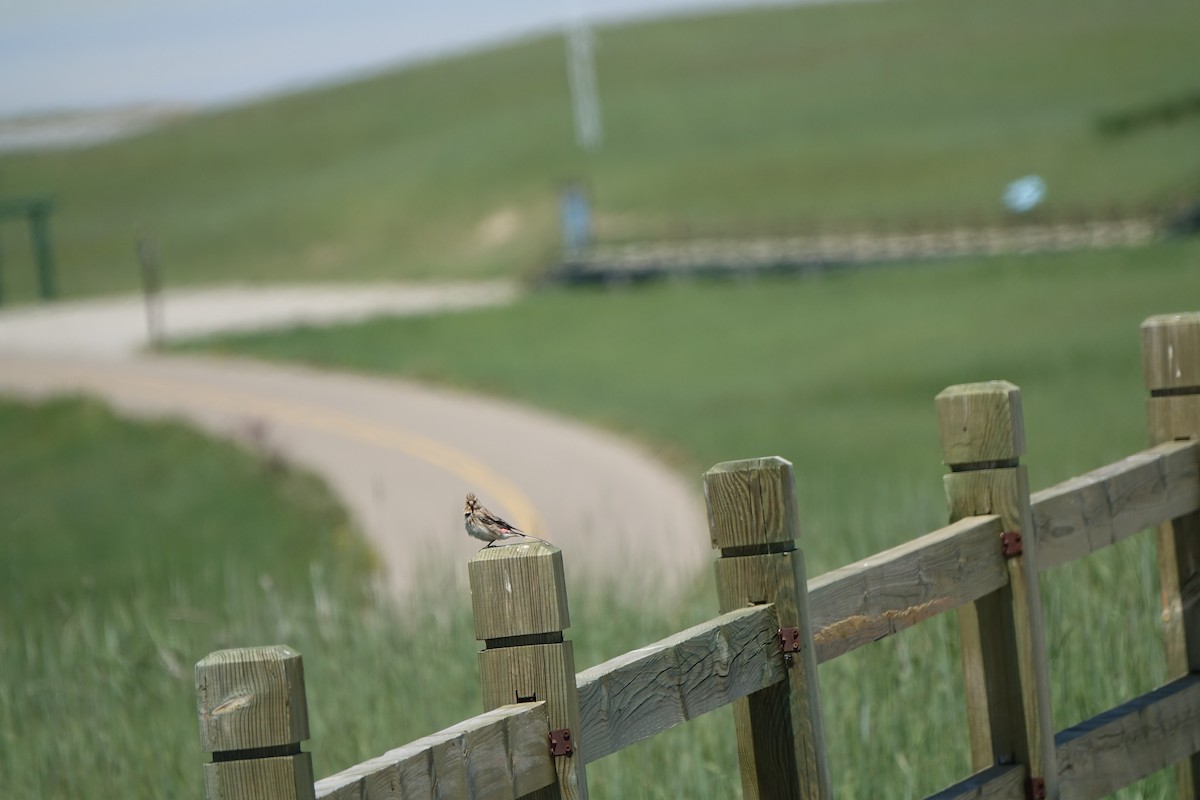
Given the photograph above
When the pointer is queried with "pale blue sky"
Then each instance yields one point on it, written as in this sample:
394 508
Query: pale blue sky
68 54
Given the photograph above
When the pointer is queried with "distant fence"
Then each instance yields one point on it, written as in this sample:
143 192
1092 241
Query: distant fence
544 722
626 252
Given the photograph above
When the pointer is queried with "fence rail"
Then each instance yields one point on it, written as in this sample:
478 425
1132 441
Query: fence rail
761 653
501 753
628 262
644 692
1090 512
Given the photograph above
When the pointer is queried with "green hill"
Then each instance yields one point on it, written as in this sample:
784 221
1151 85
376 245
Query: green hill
849 114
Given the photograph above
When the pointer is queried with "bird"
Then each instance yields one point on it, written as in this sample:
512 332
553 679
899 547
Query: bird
486 526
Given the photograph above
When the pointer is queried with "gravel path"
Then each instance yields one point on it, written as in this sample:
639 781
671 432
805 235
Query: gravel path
400 455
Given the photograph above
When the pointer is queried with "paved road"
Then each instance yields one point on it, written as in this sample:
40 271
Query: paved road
400 455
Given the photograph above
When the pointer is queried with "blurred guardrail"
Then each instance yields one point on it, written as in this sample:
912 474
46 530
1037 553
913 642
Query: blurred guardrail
626 252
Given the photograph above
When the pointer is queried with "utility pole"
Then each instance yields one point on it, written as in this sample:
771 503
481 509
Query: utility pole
581 73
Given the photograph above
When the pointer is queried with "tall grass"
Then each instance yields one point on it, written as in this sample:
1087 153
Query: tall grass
97 698
115 587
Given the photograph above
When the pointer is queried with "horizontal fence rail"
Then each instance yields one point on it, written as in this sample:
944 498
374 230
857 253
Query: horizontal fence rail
501 754
1090 512
886 593
1127 743
648 690
1001 782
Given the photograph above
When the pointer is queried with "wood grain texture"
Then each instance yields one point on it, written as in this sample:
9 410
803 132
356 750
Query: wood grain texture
1092 511
893 590
980 422
1004 653
648 690
1114 749
517 590
251 697
1006 782
1172 417
975 684
499 755
781 741
1171 351
997 490
541 672
751 502
279 778
1003 643
1171 362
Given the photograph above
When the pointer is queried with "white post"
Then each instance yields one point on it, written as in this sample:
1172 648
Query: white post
581 73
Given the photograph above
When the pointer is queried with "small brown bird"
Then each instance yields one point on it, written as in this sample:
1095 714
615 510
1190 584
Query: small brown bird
486 526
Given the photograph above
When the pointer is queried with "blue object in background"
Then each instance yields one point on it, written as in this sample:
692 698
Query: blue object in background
576 213
1024 194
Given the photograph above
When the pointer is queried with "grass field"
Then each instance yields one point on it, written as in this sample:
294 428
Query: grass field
130 551
837 373
851 114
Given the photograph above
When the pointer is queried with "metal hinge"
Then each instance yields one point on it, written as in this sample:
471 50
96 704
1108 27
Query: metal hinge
789 640
1010 544
1035 789
560 743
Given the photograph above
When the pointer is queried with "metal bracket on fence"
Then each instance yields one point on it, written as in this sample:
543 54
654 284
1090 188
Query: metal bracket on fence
1010 544
789 640
1035 788
560 743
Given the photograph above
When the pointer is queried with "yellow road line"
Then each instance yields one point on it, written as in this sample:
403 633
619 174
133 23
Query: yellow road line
516 504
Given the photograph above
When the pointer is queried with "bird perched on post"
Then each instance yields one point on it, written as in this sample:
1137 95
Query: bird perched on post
486 526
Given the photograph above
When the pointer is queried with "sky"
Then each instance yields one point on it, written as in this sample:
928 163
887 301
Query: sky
59 55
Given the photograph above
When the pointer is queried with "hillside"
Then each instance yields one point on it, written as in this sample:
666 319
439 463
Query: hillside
854 114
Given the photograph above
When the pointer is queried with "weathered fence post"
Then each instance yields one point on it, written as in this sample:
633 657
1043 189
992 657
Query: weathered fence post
253 716
753 522
519 599
1171 365
1004 653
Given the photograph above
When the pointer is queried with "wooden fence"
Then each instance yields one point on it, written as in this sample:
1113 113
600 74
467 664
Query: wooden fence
629 262
544 723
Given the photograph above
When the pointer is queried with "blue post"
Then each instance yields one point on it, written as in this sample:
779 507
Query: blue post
576 220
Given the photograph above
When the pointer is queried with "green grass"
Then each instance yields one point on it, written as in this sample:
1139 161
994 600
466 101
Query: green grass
65 487
837 373
849 113
132 550
128 551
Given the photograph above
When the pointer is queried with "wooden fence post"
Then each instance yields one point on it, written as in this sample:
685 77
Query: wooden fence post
519 599
1171 365
1003 646
253 716
753 522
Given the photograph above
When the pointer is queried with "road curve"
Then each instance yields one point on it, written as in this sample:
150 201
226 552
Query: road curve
401 455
